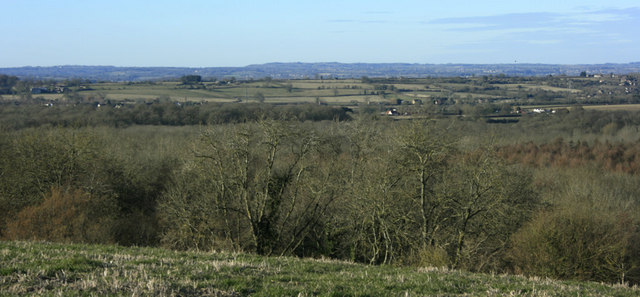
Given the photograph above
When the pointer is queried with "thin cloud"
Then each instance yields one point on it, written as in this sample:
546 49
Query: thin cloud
378 12
351 21
544 30
540 20
540 36
482 23
374 22
600 17
545 42
342 21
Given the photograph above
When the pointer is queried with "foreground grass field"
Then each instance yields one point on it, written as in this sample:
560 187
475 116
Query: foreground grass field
46 269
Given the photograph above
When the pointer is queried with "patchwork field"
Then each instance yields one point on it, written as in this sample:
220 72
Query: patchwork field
603 92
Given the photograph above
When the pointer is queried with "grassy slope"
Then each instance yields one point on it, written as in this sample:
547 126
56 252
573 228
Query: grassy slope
60 269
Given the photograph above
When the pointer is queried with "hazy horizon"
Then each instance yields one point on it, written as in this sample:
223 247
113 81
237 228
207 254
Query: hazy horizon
326 62
235 34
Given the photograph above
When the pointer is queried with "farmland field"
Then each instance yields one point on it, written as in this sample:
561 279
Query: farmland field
541 87
629 107
452 93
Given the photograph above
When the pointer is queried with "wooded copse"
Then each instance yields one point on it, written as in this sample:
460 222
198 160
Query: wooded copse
356 191
444 189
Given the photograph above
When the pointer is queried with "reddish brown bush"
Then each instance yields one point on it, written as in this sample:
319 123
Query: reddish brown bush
65 215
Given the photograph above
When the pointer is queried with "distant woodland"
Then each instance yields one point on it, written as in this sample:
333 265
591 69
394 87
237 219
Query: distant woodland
527 175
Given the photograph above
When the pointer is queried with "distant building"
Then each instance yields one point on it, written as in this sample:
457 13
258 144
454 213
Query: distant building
391 112
39 90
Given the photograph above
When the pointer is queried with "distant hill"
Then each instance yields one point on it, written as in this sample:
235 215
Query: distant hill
313 70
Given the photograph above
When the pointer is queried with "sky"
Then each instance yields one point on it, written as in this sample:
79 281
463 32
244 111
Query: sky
238 33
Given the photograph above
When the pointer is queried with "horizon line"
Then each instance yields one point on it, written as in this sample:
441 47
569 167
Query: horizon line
333 62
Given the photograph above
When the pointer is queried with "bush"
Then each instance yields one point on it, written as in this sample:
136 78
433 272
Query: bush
579 243
590 231
34 161
190 220
65 215
430 257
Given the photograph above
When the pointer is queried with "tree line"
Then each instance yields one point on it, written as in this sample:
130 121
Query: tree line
37 113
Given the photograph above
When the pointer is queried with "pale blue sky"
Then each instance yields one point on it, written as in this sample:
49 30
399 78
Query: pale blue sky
239 33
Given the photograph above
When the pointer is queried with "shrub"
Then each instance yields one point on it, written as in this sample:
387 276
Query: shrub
430 257
65 215
578 243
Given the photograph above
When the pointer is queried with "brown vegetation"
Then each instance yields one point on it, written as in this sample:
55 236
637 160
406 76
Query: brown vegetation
65 215
613 157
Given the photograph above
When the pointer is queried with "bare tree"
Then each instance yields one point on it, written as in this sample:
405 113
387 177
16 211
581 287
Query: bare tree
261 177
423 152
488 201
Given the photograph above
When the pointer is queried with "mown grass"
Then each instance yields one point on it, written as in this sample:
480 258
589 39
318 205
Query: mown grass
48 269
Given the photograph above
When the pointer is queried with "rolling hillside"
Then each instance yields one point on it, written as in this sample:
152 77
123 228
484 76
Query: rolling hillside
47 269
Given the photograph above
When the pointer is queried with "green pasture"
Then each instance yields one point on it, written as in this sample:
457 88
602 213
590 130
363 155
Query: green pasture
539 87
616 107
329 91
598 107
44 96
